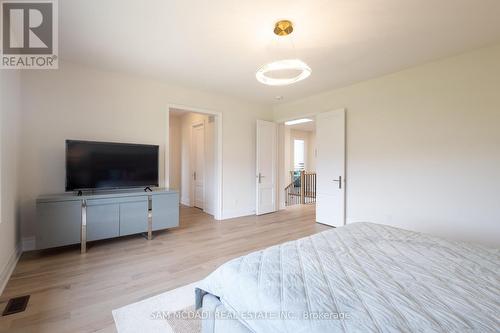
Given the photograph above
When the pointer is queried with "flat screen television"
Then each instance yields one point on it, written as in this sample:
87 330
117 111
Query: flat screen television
107 165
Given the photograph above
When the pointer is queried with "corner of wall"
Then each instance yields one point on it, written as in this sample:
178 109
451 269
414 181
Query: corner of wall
8 269
10 116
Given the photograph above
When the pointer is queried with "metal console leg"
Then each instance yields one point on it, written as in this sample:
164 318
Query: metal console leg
150 219
150 227
83 236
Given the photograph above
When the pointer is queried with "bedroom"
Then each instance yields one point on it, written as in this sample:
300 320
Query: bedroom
419 85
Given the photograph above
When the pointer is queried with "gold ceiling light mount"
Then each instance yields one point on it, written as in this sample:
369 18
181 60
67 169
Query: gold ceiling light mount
286 71
283 28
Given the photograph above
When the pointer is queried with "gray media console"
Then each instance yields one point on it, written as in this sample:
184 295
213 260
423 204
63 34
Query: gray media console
66 219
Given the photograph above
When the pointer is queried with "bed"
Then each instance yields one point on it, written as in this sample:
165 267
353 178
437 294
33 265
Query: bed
363 277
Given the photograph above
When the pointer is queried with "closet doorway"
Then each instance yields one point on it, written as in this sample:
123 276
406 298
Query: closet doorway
194 158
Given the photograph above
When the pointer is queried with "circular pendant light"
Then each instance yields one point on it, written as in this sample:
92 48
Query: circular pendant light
288 65
283 72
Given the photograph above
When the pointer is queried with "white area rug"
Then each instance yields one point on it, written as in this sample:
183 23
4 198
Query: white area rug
143 316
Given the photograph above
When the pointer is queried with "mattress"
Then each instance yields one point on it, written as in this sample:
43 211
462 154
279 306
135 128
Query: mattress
363 277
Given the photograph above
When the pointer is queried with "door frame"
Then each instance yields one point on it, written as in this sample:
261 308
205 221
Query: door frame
218 148
281 163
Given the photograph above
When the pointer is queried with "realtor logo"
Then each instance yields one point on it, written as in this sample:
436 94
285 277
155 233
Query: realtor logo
29 34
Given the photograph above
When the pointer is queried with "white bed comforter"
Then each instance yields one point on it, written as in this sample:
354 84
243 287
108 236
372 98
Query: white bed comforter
363 277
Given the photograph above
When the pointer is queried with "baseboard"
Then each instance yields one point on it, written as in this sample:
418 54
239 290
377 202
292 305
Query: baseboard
9 268
28 243
210 211
231 214
185 202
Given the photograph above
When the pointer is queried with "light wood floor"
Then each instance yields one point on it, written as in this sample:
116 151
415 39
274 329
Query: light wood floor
71 292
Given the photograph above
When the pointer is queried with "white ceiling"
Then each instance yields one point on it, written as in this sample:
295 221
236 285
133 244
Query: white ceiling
218 45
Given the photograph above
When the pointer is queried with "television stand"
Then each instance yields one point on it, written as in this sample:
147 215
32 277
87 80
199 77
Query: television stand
74 218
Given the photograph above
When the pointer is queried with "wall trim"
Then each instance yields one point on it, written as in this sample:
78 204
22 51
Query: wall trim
231 214
185 202
9 268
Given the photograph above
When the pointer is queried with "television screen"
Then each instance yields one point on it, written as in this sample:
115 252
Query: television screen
100 165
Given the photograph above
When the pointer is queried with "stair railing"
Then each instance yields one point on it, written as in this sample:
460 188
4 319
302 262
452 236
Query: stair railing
302 188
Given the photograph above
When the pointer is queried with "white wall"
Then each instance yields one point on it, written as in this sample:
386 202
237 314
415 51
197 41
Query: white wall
210 165
175 143
81 103
283 162
311 152
423 146
288 155
10 108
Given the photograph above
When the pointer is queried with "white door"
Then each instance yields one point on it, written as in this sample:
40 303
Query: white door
199 165
330 168
266 167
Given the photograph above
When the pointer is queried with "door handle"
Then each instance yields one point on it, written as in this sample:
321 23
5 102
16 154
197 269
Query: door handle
194 175
340 181
260 177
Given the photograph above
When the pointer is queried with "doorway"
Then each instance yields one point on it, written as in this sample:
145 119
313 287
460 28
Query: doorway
298 167
312 165
194 158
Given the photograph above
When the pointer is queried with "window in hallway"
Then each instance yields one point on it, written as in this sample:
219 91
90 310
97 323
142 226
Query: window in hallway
299 155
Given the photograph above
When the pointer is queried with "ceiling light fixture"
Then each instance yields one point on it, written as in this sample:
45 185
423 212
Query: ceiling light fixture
286 71
297 121
281 66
